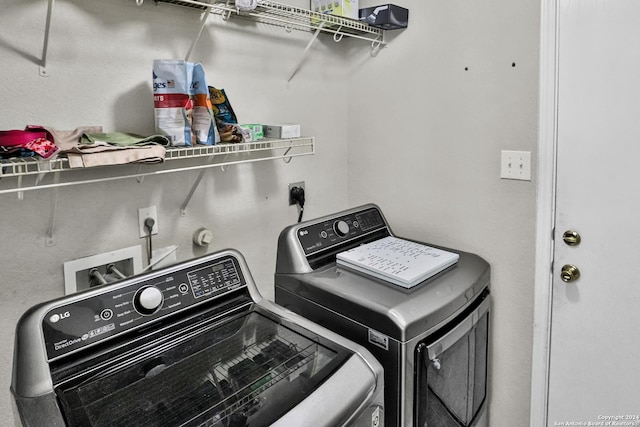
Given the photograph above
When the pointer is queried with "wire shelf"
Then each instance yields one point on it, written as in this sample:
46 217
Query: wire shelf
291 18
211 155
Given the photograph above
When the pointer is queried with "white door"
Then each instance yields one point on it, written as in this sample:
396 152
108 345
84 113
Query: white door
594 365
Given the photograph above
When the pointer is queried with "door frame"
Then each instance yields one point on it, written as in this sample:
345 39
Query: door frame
545 210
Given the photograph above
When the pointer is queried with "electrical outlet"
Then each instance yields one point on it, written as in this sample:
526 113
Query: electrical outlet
515 165
294 184
143 214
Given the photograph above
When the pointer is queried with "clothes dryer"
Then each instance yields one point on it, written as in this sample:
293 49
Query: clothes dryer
432 339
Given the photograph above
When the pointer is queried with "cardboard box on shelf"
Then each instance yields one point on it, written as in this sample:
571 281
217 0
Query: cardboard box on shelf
344 8
283 131
256 130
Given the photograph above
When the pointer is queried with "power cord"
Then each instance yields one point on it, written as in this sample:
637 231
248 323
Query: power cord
297 195
148 225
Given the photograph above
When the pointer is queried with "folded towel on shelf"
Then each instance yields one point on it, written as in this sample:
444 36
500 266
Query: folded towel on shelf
65 139
84 146
122 139
16 151
115 156
116 148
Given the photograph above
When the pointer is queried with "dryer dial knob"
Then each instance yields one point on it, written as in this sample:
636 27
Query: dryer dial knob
148 300
341 228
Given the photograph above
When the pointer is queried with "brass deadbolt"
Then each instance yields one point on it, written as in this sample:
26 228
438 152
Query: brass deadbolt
571 238
569 273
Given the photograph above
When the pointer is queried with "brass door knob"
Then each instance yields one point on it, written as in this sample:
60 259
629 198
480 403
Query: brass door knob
571 238
569 273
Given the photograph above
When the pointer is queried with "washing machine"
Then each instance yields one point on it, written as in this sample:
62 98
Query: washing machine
432 338
193 344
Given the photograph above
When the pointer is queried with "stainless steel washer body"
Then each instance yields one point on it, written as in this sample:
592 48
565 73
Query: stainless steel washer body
432 339
193 344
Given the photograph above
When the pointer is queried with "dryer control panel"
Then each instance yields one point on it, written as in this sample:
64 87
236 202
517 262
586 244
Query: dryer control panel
94 316
330 232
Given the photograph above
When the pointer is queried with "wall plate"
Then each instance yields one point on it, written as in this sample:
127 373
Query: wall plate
292 185
76 272
515 165
143 214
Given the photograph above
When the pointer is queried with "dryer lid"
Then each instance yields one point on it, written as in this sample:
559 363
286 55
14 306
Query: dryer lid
399 313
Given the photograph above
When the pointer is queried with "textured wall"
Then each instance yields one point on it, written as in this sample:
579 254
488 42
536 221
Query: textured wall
99 61
427 121
410 129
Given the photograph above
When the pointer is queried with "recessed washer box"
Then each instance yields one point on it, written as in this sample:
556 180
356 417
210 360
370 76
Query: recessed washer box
77 272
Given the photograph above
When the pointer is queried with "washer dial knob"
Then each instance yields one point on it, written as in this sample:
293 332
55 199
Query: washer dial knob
341 228
147 300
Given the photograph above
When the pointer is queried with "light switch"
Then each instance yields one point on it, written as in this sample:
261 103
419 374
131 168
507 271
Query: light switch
515 165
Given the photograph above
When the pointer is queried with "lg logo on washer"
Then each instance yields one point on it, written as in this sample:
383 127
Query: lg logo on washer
55 318
304 232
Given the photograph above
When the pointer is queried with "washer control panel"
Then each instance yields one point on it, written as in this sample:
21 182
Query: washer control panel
83 322
330 232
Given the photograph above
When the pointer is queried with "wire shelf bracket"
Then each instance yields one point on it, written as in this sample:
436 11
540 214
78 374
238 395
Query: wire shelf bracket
50 239
45 46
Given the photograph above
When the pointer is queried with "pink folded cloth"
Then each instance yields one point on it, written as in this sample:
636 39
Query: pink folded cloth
42 146
37 140
11 138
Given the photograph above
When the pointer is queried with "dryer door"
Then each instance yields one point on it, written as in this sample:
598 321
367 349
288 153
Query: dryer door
451 372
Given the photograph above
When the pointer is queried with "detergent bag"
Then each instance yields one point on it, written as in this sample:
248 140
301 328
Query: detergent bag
171 101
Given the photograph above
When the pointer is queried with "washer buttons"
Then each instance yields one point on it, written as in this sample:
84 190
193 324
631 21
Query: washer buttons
183 288
106 314
323 234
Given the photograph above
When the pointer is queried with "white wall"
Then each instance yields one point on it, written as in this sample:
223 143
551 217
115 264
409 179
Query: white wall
427 121
409 129
99 61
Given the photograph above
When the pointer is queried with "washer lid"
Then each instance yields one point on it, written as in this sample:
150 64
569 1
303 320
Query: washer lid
392 310
248 370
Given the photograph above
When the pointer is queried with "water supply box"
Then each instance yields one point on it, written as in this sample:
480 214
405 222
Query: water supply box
282 131
344 8
386 16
